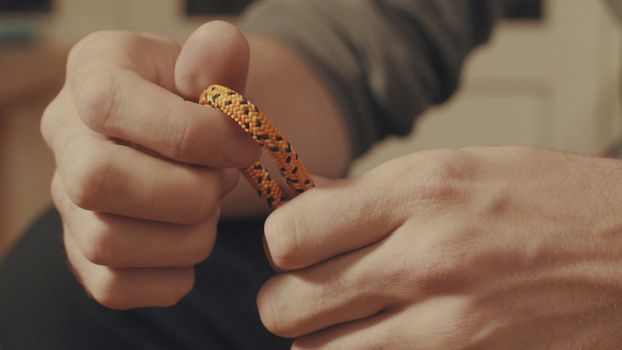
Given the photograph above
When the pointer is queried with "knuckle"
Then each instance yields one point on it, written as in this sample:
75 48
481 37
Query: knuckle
360 286
496 202
202 204
100 247
183 141
110 291
442 176
184 286
95 37
45 127
267 310
81 50
96 42
191 216
95 97
204 207
431 176
93 84
201 250
89 176
434 189
109 300
49 119
282 238
56 193
448 165
106 290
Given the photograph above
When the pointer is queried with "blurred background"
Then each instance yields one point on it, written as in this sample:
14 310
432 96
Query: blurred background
549 77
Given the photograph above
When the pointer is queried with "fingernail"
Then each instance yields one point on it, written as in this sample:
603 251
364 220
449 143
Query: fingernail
241 150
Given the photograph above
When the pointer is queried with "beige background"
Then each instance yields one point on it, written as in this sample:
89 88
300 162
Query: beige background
552 84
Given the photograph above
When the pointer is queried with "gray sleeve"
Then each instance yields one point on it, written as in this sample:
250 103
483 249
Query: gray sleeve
385 61
616 7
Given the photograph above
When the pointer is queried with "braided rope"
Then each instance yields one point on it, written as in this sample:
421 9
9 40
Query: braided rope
255 123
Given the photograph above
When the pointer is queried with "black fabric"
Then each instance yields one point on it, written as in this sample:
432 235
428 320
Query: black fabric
43 307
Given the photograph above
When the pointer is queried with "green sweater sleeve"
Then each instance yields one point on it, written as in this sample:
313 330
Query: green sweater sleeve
385 61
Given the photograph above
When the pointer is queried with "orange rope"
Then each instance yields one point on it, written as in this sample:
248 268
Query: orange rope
255 123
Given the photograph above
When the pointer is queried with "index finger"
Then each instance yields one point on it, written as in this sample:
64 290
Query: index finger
119 103
123 85
149 56
329 220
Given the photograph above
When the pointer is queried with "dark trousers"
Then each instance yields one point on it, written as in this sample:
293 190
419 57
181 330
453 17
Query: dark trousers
42 306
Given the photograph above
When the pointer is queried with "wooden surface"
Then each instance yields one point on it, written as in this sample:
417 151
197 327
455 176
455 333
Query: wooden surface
31 76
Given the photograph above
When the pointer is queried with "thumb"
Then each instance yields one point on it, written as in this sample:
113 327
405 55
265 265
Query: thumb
216 53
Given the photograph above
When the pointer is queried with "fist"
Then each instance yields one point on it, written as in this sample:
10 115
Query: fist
141 168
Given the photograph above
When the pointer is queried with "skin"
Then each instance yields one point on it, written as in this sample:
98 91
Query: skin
482 248
488 248
142 168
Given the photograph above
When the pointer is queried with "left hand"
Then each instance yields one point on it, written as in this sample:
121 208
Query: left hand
494 248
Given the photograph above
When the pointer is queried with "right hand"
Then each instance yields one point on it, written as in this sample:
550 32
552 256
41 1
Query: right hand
141 170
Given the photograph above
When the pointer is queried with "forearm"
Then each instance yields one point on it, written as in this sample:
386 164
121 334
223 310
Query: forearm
294 97
384 62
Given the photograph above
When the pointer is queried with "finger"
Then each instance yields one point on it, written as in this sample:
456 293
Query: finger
360 334
121 104
318 180
216 53
329 220
434 324
342 289
129 288
103 176
50 119
116 241
124 86
152 57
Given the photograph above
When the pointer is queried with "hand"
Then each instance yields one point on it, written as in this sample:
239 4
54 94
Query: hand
140 170
487 248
